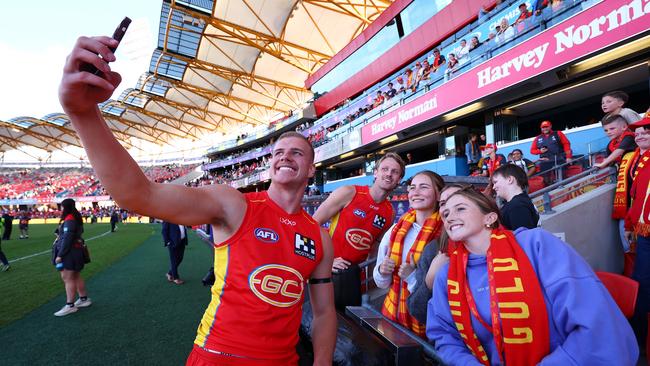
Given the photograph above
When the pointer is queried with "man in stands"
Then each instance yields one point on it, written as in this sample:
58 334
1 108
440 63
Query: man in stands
266 247
438 60
552 147
390 92
360 215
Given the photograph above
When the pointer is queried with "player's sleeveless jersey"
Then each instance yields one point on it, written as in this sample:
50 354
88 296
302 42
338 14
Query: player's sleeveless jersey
359 225
260 275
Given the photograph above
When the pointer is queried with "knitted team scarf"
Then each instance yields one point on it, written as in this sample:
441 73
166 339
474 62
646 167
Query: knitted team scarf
518 312
641 191
395 307
623 185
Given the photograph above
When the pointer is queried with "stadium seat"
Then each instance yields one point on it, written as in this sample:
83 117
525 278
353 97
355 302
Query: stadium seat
624 290
535 184
572 170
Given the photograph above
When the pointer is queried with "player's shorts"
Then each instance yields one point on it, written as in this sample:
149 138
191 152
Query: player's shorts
202 357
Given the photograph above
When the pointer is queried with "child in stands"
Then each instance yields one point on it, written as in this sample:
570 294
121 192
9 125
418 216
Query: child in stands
614 102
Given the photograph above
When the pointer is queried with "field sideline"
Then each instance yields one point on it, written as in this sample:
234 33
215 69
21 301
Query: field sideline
137 317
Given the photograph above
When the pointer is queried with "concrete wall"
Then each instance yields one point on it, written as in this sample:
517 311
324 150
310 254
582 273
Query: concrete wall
585 223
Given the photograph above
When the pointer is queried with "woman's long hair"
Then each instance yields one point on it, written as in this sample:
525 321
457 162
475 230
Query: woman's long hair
68 208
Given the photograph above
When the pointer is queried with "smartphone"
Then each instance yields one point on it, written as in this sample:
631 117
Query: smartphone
117 35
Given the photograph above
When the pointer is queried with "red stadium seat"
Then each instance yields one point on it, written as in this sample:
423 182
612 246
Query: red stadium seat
535 184
572 170
624 290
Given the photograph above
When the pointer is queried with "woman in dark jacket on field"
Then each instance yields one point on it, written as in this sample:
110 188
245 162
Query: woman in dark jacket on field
68 257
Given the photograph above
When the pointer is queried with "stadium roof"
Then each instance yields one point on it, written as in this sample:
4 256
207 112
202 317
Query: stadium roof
219 65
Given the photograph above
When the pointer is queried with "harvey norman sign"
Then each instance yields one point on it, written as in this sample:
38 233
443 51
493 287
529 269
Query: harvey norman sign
602 25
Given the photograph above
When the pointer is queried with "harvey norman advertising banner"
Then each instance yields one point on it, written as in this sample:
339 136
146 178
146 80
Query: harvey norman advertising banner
604 24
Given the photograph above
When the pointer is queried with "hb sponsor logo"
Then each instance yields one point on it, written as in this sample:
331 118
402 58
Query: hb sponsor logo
305 247
360 213
378 222
358 238
266 235
277 285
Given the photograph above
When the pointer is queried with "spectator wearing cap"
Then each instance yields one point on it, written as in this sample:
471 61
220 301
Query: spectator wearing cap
636 220
492 160
524 14
552 147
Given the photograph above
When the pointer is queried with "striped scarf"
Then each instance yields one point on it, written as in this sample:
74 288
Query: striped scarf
640 210
395 307
621 196
519 320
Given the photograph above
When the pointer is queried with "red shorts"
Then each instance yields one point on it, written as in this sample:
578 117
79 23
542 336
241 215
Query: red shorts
201 357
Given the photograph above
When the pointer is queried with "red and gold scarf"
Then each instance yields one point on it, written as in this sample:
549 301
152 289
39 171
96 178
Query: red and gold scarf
621 197
519 320
615 143
395 307
639 215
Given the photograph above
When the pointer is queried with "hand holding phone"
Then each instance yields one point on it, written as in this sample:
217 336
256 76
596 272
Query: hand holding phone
117 35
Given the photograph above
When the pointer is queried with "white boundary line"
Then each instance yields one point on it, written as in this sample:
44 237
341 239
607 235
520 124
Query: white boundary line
50 250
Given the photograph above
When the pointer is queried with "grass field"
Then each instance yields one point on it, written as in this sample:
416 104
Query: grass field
137 317
32 280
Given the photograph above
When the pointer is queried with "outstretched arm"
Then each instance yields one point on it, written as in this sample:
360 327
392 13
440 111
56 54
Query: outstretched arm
322 301
79 93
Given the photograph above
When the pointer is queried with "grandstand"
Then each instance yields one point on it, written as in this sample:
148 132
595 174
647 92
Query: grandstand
361 80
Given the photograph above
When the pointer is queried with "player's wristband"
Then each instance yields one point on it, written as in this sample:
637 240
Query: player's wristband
318 281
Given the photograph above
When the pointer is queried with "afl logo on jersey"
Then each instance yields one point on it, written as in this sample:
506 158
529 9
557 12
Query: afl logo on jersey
360 213
358 238
277 285
266 235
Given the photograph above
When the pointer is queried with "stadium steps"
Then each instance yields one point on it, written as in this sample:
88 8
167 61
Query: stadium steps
194 174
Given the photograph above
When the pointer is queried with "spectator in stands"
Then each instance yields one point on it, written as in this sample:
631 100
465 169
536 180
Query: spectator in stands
509 182
474 43
3 259
305 255
452 66
462 51
621 139
175 239
409 79
472 151
402 247
524 14
614 103
563 301
379 100
437 61
409 159
553 149
505 32
68 257
391 92
362 210
432 259
490 38
425 72
636 220
621 144
23 224
526 165
492 160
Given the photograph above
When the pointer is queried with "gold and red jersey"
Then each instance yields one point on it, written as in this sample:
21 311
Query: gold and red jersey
357 226
260 276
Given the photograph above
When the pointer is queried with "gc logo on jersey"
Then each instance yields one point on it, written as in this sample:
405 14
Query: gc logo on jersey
358 238
378 222
305 247
266 235
361 213
277 285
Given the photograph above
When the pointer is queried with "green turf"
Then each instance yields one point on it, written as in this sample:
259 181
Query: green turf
137 317
33 281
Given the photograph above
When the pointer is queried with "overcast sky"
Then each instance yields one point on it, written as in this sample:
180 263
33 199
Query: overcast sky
36 36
